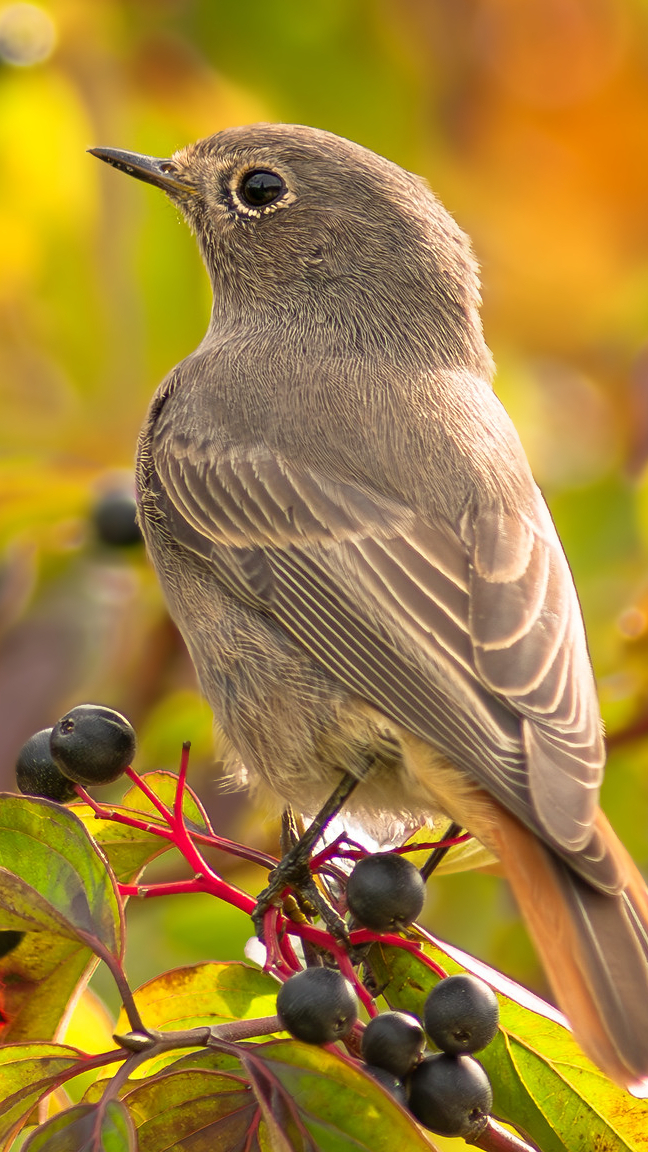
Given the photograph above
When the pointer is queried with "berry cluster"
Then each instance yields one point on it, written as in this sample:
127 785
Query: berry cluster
89 745
447 1091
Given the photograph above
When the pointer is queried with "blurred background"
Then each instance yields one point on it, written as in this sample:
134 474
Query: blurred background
530 120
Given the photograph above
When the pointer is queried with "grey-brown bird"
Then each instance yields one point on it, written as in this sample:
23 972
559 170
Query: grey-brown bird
349 537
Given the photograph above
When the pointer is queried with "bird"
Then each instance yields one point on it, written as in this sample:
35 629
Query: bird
349 537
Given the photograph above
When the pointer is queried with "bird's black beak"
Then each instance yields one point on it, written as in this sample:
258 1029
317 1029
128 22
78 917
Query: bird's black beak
164 174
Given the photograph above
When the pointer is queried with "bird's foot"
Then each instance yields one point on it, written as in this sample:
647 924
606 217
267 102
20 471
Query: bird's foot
293 873
292 888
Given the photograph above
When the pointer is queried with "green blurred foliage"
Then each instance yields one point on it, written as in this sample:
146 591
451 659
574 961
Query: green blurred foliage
530 121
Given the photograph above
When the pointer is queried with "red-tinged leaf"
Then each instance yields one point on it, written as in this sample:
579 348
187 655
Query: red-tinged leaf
283 1096
203 1059
281 1119
541 1079
209 1059
28 1072
197 1110
86 1128
334 1105
54 878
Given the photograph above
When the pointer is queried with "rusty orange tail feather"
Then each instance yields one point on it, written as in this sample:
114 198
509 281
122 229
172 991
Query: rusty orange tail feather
594 947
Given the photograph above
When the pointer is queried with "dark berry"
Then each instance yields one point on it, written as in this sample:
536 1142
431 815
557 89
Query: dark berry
317 1005
92 744
391 1083
461 1014
393 1041
115 519
38 775
385 892
451 1095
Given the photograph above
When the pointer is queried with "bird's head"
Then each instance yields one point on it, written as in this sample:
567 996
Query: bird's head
300 224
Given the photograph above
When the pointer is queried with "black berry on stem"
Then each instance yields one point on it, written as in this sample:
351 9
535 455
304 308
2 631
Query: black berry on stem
451 1095
38 775
317 1005
461 1014
391 1083
92 744
394 1041
385 892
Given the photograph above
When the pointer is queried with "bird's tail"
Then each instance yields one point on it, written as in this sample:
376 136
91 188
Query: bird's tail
594 947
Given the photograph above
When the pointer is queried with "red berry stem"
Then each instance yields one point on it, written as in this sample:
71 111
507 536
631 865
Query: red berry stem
364 936
448 842
224 845
158 804
336 851
209 880
102 813
231 847
170 888
280 957
495 1138
288 953
182 780
325 941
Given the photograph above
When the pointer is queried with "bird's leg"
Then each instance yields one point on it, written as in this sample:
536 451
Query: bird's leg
288 839
293 870
289 831
434 859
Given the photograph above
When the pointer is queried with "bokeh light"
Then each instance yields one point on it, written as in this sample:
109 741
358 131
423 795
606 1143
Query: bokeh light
27 34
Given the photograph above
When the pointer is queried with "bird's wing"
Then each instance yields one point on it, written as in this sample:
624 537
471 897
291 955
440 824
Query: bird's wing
469 635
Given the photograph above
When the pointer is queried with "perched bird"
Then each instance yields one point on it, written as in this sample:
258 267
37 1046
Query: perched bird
349 537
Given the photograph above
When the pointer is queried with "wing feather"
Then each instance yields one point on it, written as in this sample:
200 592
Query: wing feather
469 635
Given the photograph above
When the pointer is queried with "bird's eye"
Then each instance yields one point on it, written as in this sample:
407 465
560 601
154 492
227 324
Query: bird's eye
259 188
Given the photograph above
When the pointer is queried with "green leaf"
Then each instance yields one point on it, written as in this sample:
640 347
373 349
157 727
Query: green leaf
128 850
305 1099
339 1106
201 994
209 993
53 878
28 1072
203 1059
39 977
541 1079
86 1128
